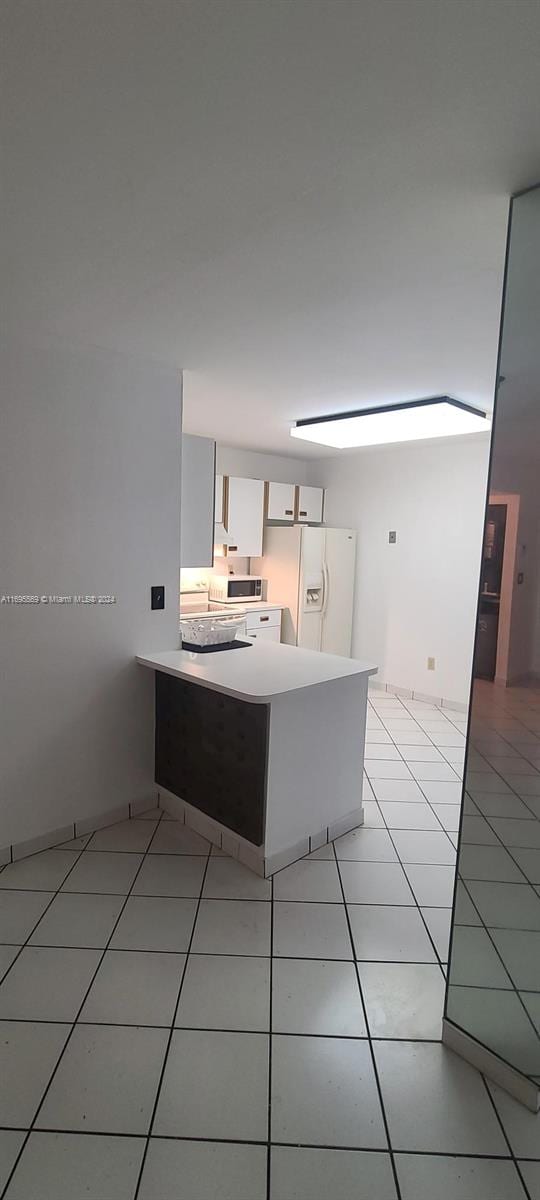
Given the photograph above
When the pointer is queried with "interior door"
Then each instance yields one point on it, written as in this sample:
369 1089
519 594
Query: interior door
339 571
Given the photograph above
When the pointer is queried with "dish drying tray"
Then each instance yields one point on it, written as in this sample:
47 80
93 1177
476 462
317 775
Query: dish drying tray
214 648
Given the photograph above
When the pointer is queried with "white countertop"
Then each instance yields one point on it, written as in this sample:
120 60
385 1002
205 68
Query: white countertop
257 673
233 610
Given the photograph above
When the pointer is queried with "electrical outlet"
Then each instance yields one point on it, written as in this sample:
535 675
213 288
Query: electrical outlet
392 536
431 664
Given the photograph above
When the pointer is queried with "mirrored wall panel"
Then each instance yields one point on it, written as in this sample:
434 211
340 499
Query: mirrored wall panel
494 972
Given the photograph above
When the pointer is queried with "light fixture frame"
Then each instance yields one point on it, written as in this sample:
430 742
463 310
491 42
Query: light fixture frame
381 408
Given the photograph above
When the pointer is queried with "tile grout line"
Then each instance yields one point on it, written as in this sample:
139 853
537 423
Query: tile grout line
370 1038
167 1137
79 1010
411 962
488 930
270 1033
371 1050
425 799
439 959
525 880
497 772
383 862
149 1134
379 1039
530 1078
499 1120
419 783
508 849
342 1037
22 946
505 1136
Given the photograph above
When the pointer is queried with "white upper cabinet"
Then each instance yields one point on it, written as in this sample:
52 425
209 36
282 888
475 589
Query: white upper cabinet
310 503
218 504
280 500
245 513
197 501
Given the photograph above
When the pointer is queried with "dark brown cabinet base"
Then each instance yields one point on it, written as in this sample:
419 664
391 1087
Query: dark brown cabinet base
211 751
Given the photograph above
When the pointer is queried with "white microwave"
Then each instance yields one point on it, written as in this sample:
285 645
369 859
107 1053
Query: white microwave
234 589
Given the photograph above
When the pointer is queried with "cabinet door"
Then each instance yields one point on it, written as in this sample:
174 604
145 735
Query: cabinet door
218 505
245 517
197 501
265 619
266 633
310 503
280 501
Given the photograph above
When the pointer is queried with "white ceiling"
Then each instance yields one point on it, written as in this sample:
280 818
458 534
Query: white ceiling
301 202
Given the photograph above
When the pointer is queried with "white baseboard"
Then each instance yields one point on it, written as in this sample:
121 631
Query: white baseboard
254 856
529 679
489 1063
409 694
55 837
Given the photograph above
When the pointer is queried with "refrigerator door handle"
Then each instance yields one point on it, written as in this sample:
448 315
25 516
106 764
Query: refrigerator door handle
326 590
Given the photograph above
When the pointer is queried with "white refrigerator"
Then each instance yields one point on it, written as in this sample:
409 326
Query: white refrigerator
310 571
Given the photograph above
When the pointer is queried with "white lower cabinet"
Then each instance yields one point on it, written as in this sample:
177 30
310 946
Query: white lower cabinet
270 633
264 626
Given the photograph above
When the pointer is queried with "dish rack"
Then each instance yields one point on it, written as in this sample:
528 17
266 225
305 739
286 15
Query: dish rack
210 633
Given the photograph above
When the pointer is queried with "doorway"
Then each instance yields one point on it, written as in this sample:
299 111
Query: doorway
490 591
496 589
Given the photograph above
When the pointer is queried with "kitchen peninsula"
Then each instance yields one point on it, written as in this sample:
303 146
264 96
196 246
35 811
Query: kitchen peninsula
261 750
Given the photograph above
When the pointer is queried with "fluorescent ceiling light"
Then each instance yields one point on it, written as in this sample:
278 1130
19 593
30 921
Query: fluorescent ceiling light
439 416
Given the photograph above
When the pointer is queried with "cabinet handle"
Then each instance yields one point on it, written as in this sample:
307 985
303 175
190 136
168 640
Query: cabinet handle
264 618
233 547
288 512
303 512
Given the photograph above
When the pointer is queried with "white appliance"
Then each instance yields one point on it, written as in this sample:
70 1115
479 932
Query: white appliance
230 589
310 571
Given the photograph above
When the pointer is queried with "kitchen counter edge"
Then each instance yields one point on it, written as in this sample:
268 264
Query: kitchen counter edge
271 670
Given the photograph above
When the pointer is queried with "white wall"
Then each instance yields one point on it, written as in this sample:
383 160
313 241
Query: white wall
249 464
535 656
416 598
90 503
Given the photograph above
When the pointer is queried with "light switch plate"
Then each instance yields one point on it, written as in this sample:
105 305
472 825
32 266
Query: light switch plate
392 536
157 595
